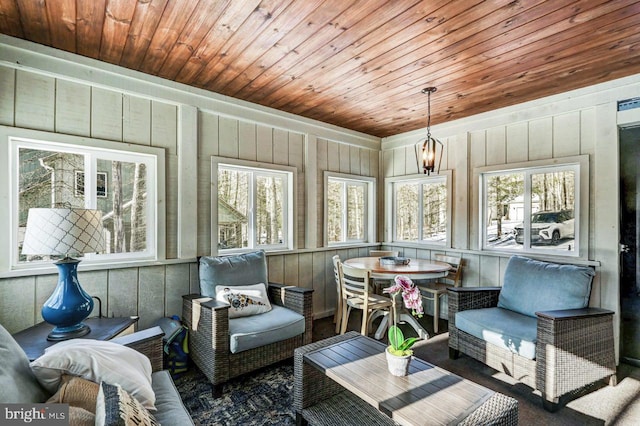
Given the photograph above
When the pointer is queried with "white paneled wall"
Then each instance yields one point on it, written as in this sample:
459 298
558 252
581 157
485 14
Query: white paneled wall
33 100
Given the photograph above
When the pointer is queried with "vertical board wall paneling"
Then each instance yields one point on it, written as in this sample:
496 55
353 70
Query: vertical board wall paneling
496 146
291 272
228 137
171 205
410 164
345 162
151 295
517 142
322 300
34 101
208 133
587 146
310 196
136 117
354 159
8 89
540 139
280 147
333 156
458 162
305 270
566 134
264 143
177 284
123 293
73 108
164 126
477 158
19 306
322 161
106 114
204 206
247 141
275 265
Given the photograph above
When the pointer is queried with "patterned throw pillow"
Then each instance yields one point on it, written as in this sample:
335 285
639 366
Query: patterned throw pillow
244 300
116 407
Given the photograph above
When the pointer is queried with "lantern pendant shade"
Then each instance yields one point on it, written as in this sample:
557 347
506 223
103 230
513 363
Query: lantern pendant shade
65 232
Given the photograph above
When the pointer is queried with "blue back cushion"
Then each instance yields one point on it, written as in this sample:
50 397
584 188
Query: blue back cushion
531 285
242 269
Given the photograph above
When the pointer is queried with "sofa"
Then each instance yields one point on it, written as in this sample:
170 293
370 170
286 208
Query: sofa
240 322
538 328
76 373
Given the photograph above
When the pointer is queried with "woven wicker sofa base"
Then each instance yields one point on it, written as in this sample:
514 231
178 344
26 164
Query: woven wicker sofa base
346 409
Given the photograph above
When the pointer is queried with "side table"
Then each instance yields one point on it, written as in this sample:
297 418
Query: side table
33 340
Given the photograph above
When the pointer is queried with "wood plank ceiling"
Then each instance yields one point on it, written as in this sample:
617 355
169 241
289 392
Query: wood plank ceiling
359 64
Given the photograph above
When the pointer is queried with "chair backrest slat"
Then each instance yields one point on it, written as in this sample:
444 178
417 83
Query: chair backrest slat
337 265
355 281
455 274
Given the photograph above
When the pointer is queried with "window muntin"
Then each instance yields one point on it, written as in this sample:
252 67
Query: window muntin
421 209
48 174
253 208
347 210
531 210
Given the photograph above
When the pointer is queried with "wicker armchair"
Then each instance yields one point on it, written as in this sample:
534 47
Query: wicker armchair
573 348
208 323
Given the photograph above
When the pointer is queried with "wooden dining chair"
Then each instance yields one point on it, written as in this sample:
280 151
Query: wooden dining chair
377 282
436 289
356 295
337 316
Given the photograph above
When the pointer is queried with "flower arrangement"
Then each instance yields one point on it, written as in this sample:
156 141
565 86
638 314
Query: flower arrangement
412 299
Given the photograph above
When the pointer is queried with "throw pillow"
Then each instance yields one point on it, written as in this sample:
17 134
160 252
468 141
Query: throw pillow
19 385
244 300
97 360
116 407
77 392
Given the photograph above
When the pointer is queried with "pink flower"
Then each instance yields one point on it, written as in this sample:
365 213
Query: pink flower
410 294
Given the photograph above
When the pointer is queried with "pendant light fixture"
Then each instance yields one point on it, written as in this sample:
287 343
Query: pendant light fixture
429 144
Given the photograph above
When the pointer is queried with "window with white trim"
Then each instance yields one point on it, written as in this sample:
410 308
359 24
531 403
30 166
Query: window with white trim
253 206
532 209
349 208
420 209
51 174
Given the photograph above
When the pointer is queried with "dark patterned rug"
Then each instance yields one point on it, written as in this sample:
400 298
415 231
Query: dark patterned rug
260 398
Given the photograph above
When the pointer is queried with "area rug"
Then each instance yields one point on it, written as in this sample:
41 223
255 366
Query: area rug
263 397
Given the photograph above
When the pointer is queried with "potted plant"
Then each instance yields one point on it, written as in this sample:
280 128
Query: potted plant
399 351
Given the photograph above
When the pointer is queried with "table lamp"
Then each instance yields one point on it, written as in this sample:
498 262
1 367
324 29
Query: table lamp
65 232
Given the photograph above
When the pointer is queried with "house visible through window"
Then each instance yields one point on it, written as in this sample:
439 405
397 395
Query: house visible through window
349 216
57 175
101 184
421 209
531 210
253 207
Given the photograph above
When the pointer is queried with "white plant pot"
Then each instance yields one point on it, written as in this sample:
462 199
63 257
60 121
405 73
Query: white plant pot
398 365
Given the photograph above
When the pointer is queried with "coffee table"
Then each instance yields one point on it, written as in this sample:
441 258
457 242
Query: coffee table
344 380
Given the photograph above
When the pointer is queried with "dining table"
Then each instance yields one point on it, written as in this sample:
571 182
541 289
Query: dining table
415 269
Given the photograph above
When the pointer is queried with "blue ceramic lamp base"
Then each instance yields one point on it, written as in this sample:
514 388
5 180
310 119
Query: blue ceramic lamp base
68 305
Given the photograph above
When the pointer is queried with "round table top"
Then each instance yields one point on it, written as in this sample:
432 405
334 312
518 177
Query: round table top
415 266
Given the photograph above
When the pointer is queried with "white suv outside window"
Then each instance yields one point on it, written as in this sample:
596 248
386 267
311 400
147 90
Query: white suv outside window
548 227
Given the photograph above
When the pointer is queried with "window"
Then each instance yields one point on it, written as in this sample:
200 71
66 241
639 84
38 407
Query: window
349 208
532 209
50 174
101 184
253 205
420 209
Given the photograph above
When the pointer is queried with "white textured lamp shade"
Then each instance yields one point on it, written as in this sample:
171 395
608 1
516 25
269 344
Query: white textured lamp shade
63 232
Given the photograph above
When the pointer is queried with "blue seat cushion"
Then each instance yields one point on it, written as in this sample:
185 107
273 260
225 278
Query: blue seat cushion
242 269
501 327
531 285
258 330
